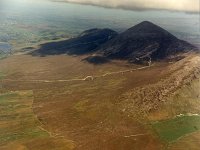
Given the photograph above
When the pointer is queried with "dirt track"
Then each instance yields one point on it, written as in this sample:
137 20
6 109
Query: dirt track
89 77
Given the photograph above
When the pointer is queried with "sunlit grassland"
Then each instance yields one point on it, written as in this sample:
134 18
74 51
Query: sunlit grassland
173 129
1 75
89 110
191 141
179 118
185 100
94 110
20 128
17 119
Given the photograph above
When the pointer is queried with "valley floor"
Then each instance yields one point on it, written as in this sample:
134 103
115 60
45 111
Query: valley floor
60 102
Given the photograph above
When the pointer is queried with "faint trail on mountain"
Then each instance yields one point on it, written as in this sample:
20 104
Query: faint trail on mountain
81 79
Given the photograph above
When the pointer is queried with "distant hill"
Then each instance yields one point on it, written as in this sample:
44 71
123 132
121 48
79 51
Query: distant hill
143 41
85 43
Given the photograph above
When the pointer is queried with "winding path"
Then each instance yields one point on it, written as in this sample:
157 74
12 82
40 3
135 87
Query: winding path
87 78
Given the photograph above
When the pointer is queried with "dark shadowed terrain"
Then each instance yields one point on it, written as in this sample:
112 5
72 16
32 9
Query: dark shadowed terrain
86 42
143 42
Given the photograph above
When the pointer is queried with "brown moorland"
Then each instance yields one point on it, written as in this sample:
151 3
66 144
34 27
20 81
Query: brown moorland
113 111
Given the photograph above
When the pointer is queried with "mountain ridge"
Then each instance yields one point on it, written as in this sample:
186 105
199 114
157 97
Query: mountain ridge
139 43
84 43
144 40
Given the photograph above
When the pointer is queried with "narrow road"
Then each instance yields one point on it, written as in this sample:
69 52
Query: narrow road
81 79
135 135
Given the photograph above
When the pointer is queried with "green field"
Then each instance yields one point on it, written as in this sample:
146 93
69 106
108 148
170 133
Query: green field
173 129
17 119
20 128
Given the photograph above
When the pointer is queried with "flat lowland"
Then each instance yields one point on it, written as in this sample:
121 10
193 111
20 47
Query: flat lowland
112 106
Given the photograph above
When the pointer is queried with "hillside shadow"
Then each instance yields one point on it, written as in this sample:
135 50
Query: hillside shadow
96 60
87 42
63 47
66 47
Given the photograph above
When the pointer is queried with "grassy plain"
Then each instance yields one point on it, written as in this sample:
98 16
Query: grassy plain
92 114
173 129
19 127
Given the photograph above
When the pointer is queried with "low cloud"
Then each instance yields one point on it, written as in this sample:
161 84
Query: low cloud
191 6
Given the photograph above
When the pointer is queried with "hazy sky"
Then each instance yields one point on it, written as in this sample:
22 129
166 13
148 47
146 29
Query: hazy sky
174 5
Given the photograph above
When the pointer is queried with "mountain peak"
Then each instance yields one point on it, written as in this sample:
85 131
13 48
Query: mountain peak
144 40
149 30
146 23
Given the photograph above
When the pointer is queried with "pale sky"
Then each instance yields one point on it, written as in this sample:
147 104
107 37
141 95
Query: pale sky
172 5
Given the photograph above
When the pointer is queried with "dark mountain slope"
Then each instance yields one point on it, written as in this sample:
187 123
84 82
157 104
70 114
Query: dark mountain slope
144 40
86 42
